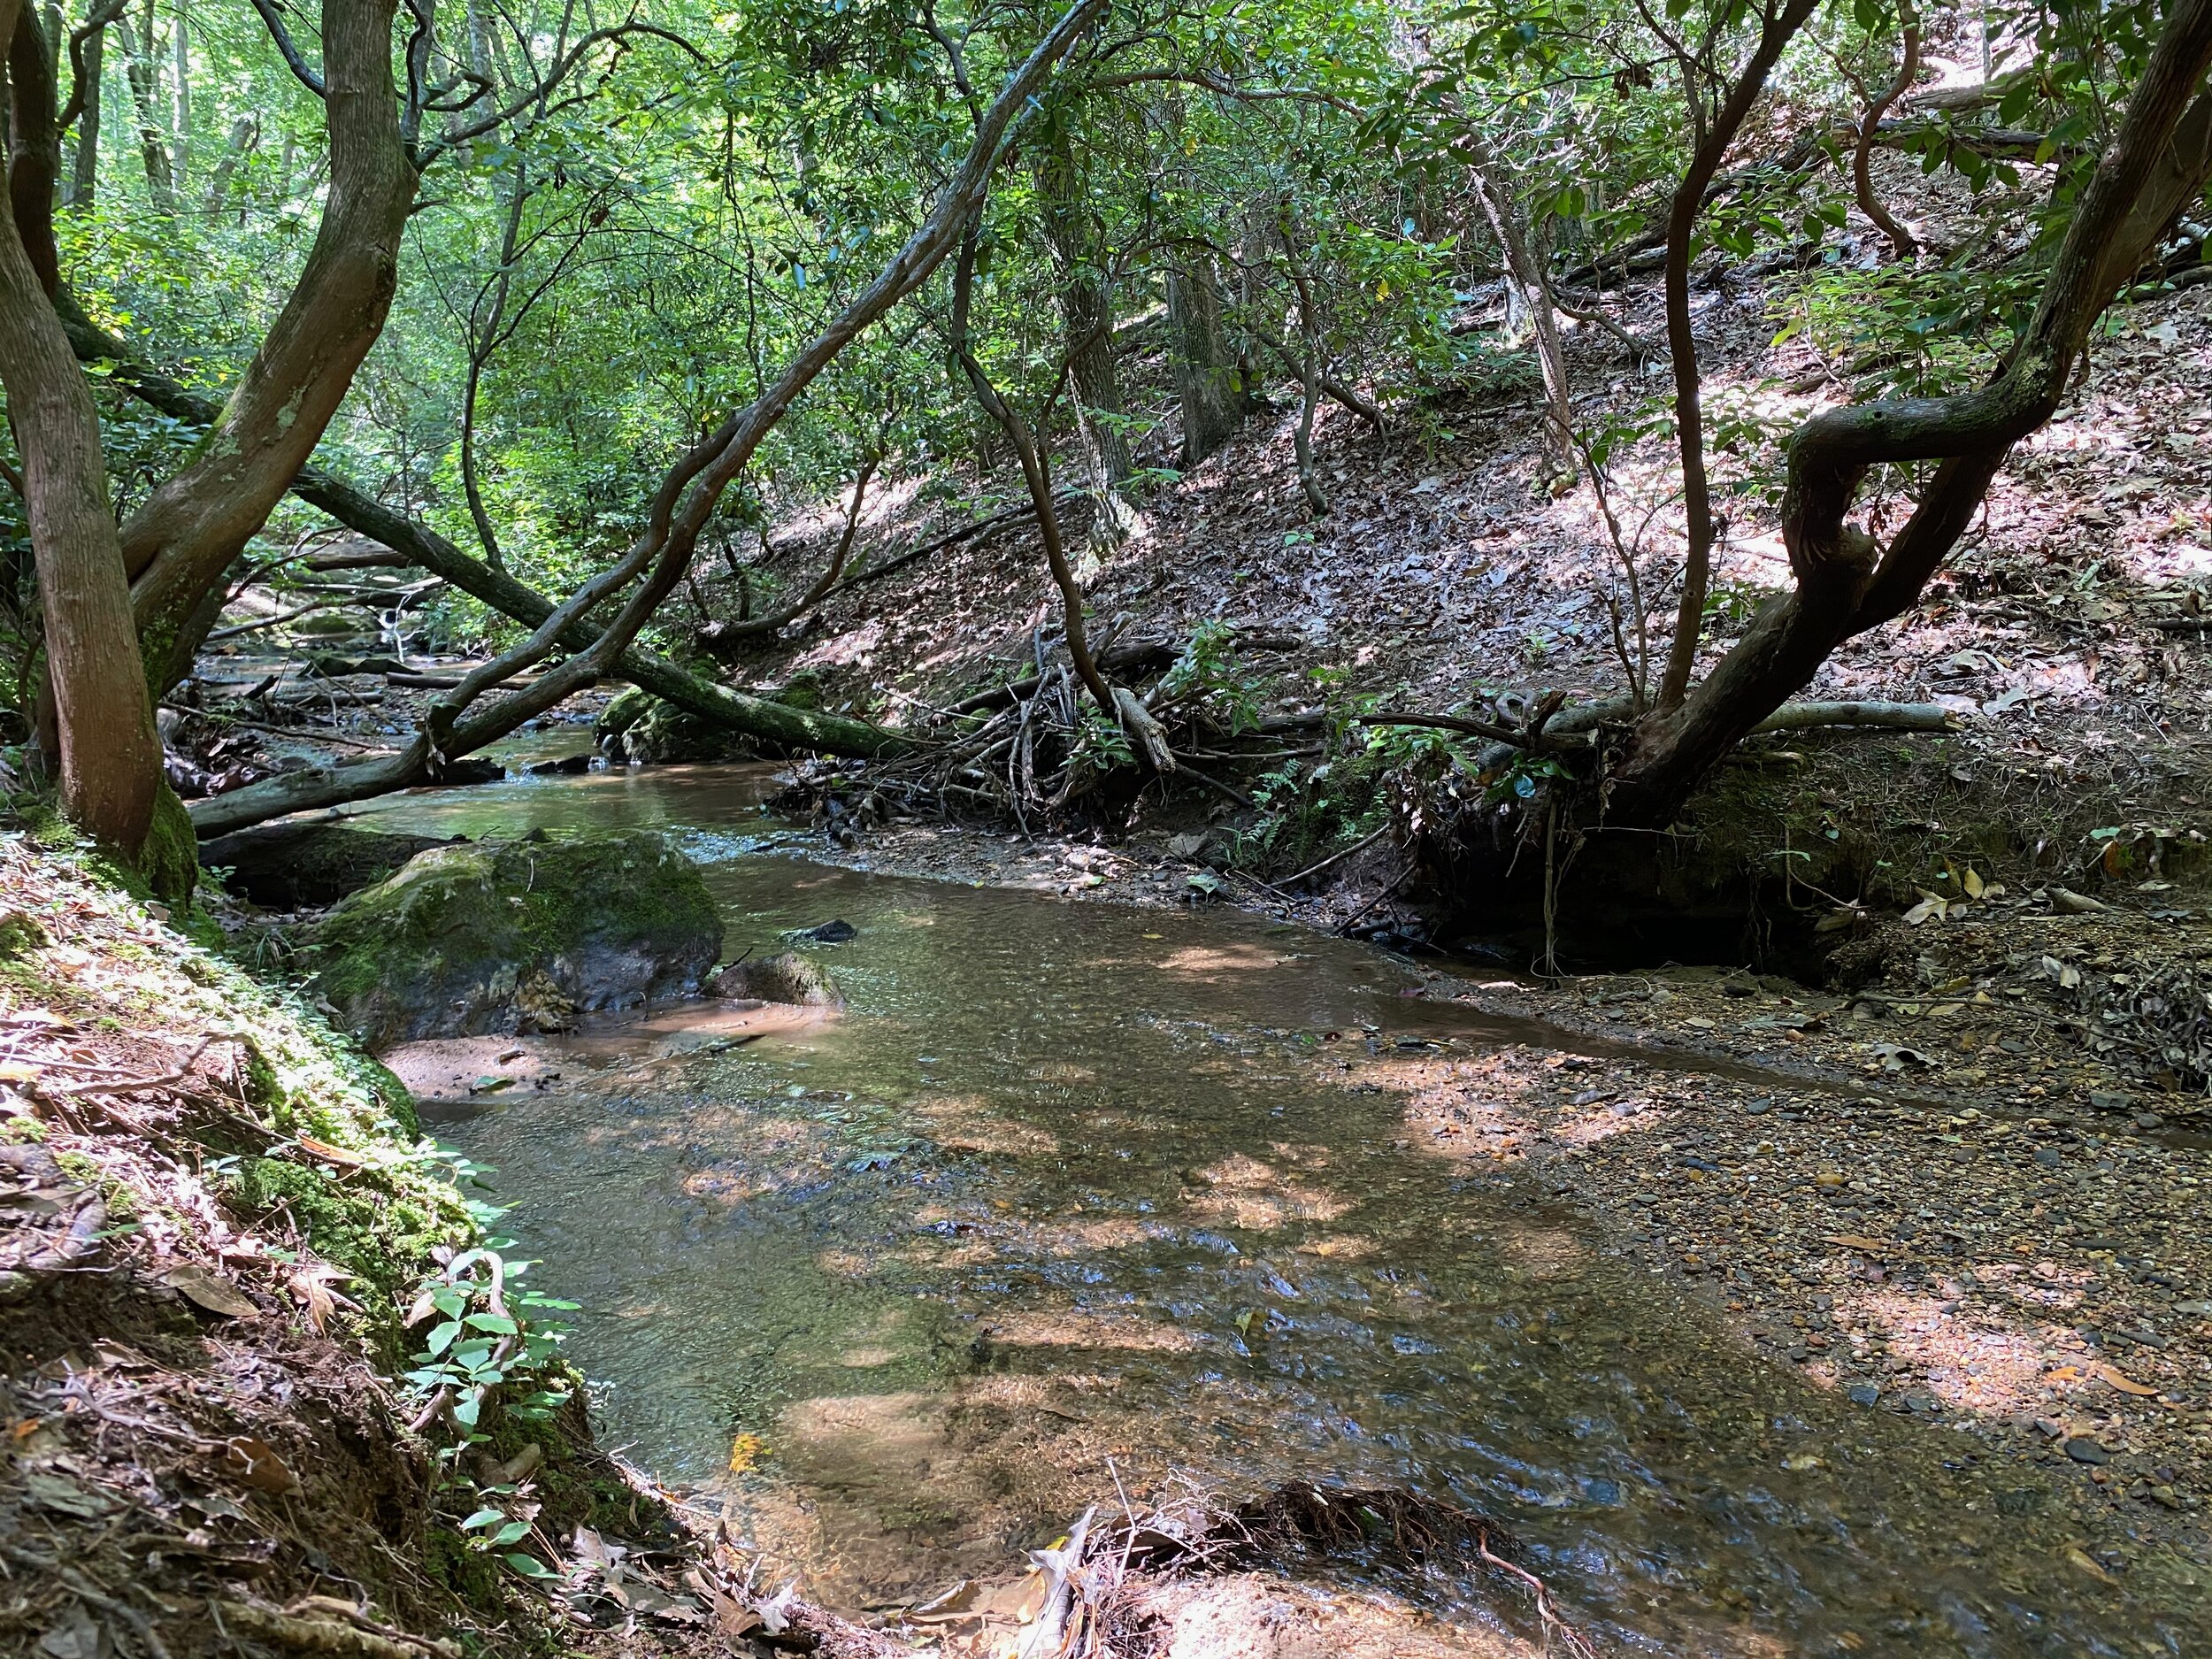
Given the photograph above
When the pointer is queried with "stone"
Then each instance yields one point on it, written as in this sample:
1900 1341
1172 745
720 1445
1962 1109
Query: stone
518 935
834 933
2082 1449
1865 1394
2049 1157
788 977
306 864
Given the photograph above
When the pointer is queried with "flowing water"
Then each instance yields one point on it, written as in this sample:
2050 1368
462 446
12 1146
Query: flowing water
1074 1195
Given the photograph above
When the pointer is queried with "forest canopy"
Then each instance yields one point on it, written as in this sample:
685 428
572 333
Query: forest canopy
559 307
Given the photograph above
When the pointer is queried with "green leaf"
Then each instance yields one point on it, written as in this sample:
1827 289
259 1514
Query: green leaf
510 1532
482 1518
529 1566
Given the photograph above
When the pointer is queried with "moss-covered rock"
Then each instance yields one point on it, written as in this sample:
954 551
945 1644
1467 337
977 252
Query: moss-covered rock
638 728
518 935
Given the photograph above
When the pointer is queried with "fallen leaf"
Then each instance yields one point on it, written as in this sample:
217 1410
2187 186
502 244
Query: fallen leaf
2125 1384
217 1295
311 1284
1972 882
255 1463
2080 1557
329 1154
19 1072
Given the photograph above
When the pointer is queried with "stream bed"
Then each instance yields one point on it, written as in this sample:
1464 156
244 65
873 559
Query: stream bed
1073 1198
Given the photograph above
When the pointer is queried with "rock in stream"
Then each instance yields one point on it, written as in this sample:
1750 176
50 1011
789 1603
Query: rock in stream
518 935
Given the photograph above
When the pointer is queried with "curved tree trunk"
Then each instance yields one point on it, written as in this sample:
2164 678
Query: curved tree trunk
1845 583
110 757
198 521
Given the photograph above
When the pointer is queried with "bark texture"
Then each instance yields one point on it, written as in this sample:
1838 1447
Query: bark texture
1209 383
110 757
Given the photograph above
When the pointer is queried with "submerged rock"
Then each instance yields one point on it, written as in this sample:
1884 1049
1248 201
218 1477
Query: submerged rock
519 936
786 978
290 866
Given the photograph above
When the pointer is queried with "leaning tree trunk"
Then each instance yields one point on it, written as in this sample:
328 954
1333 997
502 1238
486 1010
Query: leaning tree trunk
110 757
1846 582
198 521
1502 208
1208 381
754 716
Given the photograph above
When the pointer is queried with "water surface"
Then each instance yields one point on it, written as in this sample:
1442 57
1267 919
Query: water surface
1072 1193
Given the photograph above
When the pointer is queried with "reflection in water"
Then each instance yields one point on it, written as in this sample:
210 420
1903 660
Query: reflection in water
1069 1184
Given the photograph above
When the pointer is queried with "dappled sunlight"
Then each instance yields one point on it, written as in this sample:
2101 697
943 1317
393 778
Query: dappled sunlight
1204 962
970 1123
1084 1328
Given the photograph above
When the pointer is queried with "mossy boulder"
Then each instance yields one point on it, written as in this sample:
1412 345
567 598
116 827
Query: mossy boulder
519 936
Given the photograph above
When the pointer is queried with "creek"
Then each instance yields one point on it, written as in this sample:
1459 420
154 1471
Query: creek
1074 1195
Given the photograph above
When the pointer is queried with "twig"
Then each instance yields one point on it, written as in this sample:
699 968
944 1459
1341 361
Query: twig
1358 846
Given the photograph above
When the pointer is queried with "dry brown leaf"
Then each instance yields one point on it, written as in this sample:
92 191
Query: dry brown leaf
1858 1241
252 1462
2125 1384
329 1154
204 1289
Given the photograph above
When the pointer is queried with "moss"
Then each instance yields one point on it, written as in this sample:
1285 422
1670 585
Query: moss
471 1574
380 1230
169 861
20 933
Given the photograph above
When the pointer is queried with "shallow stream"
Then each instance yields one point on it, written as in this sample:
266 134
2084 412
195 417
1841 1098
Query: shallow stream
1073 1195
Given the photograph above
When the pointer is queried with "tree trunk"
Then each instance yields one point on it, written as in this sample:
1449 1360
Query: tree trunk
1714 140
84 171
110 757
1209 383
33 145
197 522
1845 583
1502 208
1086 302
144 77
180 52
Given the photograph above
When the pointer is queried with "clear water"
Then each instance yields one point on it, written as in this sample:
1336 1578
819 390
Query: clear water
1073 1195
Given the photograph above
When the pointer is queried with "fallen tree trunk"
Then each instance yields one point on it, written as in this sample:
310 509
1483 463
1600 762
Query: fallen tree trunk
418 544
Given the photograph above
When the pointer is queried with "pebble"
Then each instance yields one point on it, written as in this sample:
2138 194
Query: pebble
2082 1449
2049 1157
1864 1394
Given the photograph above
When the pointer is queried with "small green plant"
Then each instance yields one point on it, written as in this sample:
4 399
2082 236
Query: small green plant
1209 682
490 1342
